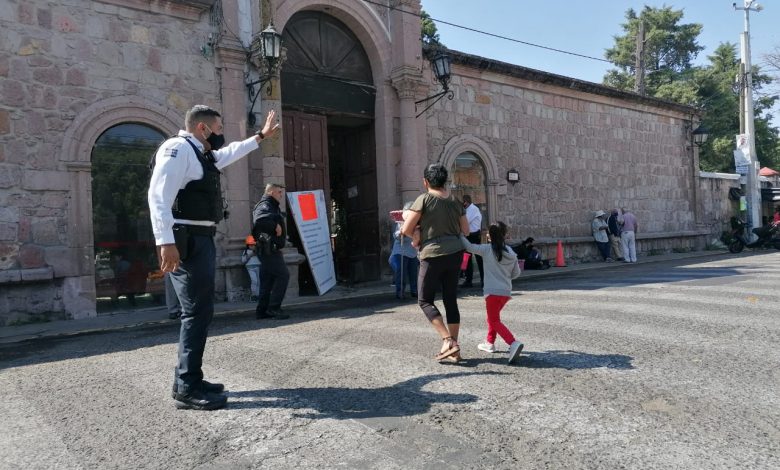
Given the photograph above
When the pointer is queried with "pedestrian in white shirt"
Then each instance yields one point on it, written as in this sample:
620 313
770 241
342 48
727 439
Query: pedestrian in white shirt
474 217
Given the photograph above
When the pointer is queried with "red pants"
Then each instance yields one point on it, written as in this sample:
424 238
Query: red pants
494 304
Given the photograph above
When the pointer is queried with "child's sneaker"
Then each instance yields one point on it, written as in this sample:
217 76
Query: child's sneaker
487 347
514 350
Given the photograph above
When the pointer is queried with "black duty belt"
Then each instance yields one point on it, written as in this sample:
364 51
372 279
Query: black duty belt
206 230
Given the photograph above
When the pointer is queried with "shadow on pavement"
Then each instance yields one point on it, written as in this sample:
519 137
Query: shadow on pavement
570 360
402 399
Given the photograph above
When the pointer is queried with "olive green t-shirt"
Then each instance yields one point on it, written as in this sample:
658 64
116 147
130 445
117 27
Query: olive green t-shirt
439 220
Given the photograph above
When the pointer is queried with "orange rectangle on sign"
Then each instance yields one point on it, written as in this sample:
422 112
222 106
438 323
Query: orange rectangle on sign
308 206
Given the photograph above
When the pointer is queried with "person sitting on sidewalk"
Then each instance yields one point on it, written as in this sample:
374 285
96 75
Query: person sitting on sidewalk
531 255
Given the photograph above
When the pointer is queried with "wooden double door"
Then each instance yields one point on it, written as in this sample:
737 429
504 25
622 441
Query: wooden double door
339 159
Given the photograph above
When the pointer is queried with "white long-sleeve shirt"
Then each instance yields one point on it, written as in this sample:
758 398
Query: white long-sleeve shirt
175 166
474 216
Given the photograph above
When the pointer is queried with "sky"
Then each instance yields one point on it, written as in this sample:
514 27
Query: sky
588 27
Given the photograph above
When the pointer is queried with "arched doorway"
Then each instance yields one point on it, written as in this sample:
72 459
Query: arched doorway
328 98
125 259
469 177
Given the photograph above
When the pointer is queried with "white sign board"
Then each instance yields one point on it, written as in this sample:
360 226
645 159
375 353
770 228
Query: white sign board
743 146
311 217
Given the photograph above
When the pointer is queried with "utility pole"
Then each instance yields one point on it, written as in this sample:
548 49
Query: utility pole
741 81
753 189
639 79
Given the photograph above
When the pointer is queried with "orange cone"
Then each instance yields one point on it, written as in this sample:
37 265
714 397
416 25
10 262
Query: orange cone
559 261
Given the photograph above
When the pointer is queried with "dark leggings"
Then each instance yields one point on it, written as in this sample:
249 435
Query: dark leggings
440 271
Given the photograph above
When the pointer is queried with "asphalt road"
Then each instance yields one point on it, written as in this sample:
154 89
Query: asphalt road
665 365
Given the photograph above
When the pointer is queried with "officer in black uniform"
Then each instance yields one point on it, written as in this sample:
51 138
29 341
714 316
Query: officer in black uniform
270 237
185 205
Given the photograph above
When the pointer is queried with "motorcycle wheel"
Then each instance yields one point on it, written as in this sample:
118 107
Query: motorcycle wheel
736 246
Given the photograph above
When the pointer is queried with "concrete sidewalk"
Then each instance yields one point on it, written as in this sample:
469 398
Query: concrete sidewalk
379 289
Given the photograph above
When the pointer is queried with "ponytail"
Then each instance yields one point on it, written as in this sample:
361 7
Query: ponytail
497 232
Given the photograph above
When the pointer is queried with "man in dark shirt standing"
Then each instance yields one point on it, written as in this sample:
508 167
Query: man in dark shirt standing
614 234
271 236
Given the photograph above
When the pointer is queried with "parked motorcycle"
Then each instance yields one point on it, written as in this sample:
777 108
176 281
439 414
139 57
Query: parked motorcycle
768 236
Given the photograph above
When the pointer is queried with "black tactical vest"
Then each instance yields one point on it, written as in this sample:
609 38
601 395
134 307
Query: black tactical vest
201 199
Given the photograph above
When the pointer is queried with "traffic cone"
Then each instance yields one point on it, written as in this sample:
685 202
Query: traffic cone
559 261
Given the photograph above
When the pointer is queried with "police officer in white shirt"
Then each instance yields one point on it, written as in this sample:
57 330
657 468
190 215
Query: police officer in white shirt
474 216
185 205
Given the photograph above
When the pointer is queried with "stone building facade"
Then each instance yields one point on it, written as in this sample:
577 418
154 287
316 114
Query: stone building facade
73 70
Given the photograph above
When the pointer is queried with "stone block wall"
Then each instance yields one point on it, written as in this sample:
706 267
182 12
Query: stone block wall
56 60
578 147
575 155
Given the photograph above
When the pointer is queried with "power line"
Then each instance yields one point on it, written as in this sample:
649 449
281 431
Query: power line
506 38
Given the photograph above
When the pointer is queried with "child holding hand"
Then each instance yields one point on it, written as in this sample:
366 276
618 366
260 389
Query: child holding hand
500 263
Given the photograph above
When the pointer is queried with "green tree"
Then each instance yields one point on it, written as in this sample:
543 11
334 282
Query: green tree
428 32
429 36
670 48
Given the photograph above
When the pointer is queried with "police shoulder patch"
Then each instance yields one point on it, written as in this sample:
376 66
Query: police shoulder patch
171 152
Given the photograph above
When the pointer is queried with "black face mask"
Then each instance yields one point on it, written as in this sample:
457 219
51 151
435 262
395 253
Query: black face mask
216 141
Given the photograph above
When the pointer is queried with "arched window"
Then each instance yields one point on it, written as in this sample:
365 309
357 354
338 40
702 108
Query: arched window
125 259
468 177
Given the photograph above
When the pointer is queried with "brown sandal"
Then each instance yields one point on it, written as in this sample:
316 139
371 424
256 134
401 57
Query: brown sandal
452 348
454 359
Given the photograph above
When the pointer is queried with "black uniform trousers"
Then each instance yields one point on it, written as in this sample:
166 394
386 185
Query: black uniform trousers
194 285
274 277
171 300
476 238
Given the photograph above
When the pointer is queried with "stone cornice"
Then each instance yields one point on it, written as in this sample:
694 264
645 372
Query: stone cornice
185 9
517 71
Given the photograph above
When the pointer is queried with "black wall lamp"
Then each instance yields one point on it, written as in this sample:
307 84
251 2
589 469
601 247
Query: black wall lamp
513 176
440 63
264 54
698 136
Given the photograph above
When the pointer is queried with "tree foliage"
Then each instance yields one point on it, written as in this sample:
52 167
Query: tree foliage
670 49
429 33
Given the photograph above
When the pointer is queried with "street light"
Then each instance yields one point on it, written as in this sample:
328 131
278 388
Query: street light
264 53
440 63
441 68
700 135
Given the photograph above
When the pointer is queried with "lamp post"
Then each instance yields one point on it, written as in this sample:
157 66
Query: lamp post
269 46
752 183
440 63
